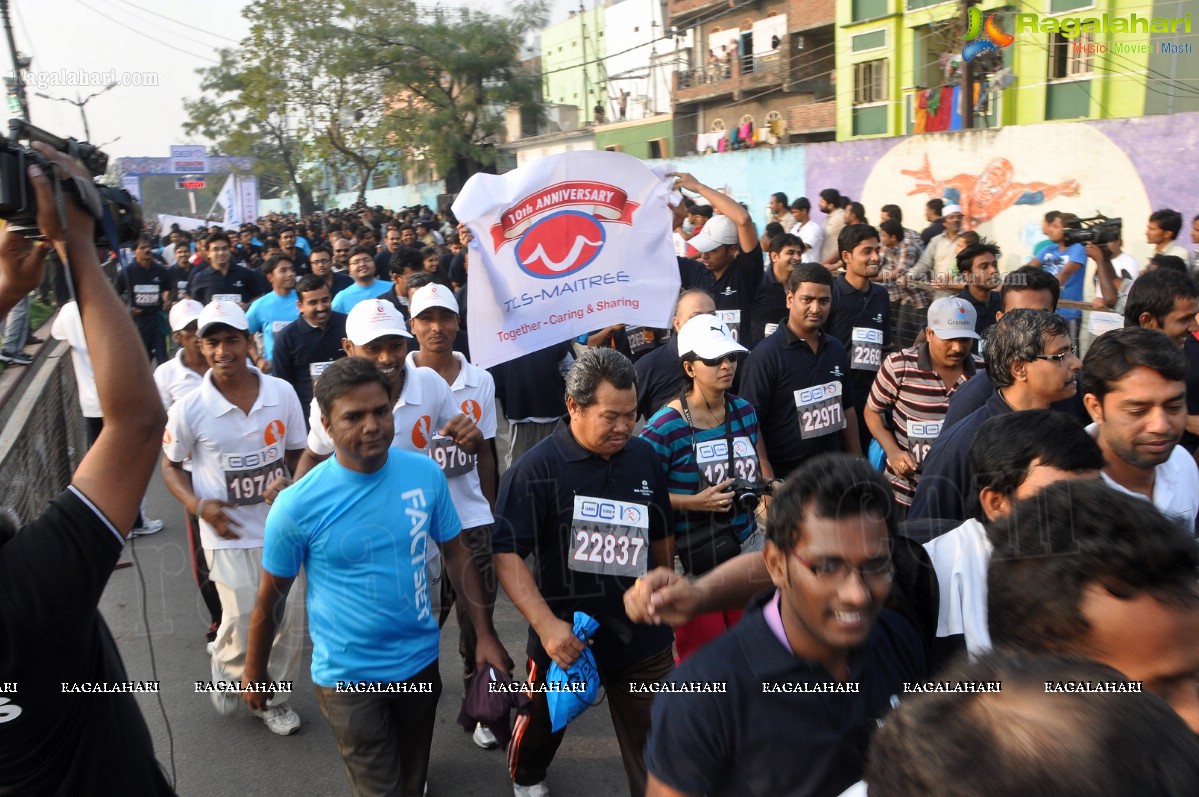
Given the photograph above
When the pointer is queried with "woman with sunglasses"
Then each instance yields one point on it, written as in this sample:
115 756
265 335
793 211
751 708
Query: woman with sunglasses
705 439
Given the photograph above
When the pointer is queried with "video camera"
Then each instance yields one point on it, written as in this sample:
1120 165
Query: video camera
18 202
1096 230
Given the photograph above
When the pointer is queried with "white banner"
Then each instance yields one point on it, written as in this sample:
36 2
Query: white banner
188 159
230 200
248 194
564 246
133 184
185 223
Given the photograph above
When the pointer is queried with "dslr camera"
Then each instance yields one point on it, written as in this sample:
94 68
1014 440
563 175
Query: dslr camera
1096 230
18 202
747 495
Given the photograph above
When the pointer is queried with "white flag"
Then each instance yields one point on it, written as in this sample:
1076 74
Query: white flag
564 246
230 200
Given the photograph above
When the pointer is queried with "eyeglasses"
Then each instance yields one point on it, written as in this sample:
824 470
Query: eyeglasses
880 570
1057 358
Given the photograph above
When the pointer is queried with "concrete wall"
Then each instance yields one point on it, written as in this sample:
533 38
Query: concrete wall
571 60
634 137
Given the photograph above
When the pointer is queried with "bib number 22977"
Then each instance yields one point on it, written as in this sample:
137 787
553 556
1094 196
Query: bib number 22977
609 538
819 410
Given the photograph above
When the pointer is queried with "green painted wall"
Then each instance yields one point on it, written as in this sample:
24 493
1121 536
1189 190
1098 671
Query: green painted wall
565 48
634 140
1115 87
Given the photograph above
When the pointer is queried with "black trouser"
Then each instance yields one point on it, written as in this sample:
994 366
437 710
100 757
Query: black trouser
208 591
478 539
533 744
384 738
150 329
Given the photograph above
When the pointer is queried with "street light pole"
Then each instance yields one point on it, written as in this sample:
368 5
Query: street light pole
18 83
79 103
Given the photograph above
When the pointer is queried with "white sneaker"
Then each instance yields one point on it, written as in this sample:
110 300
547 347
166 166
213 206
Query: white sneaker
536 790
484 738
148 526
280 719
211 647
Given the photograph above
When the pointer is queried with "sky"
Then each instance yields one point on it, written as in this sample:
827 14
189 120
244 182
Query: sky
151 48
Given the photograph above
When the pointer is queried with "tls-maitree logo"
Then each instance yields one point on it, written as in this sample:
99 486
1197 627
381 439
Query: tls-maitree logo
560 229
992 38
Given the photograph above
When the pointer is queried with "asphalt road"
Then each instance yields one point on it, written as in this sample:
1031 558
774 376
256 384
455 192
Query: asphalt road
160 627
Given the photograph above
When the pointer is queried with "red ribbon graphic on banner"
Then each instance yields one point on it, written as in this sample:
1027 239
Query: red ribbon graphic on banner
605 202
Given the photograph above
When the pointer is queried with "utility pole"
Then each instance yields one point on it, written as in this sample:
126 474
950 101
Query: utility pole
18 83
586 78
81 104
967 76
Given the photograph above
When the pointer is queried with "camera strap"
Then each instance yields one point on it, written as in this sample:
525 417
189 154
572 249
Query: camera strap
728 427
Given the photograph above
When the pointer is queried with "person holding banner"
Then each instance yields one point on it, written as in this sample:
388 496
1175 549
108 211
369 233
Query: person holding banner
706 438
730 254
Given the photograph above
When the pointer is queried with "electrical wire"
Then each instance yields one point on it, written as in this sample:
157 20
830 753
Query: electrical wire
180 22
141 577
128 28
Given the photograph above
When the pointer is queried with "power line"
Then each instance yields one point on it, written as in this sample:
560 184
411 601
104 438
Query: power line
180 22
127 28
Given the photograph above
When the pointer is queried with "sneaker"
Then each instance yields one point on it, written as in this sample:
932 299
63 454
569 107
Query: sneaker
536 790
148 526
484 738
280 719
210 646
16 358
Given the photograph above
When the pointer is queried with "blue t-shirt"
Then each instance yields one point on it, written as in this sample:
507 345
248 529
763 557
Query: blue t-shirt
344 302
1054 260
269 314
361 538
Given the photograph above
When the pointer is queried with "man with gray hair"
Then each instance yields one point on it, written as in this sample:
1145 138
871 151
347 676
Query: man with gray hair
1032 364
590 504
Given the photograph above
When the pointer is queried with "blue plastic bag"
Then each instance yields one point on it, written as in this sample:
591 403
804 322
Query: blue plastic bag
577 689
877 456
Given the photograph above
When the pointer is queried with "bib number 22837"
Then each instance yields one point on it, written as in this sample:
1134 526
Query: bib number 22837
609 538
819 410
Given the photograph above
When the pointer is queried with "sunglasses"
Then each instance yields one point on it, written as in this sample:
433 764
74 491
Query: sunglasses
716 362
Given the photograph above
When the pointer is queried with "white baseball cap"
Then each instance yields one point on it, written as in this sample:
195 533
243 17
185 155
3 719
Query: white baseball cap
948 209
432 295
707 337
371 319
184 312
717 231
952 317
221 312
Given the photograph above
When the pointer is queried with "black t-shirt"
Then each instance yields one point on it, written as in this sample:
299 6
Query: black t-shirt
54 742
735 290
457 268
299 345
775 379
179 278
239 281
534 515
532 385
864 310
143 288
659 378
769 306
751 742
932 231
1191 349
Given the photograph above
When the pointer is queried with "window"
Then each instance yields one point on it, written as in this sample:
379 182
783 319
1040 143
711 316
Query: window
614 148
1070 57
935 46
874 40
870 82
658 148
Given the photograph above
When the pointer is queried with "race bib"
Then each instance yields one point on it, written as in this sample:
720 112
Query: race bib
277 326
712 460
640 338
146 295
452 460
921 435
226 297
609 538
181 288
247 475
866 349
819 410
732 319
316 369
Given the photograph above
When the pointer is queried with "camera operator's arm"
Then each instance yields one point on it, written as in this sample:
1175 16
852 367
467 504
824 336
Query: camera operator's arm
115 471
1109 283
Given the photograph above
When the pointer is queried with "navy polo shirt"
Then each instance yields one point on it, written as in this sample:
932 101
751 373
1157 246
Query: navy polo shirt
737 287
946 484
778 367
769 306
237 281
143 289
748 742
534 514
659 378
299 344
985 310
532 386
870 309
1190 348
341 281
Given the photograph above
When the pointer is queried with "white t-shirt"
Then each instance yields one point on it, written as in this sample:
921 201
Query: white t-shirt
235 454
811 234
175 380
960 560
474 393
68 326
1175 485
1127 270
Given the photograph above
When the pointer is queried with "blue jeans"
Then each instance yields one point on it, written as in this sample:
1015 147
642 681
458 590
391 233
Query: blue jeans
16 328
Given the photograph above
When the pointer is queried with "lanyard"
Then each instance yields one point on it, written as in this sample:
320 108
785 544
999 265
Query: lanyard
728 427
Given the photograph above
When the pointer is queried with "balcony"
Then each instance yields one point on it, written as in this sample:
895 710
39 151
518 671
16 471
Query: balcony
729 79
684 12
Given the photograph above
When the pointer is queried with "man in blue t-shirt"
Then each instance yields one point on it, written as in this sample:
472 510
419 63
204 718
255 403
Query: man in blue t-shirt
362 269
359 524
271 312
1068 264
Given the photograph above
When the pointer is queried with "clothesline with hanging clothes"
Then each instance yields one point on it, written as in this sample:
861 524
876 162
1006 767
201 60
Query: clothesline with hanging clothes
745 135
938 109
